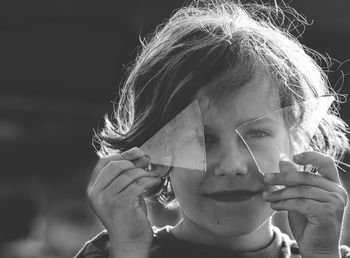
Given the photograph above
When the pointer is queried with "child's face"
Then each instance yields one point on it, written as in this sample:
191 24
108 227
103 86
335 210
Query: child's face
201 196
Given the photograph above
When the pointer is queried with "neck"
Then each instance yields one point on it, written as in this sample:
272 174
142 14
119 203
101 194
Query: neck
252 241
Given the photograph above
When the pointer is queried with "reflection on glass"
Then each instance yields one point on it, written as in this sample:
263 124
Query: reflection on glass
180 143
283 133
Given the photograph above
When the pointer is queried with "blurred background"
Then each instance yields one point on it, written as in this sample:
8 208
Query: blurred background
61 63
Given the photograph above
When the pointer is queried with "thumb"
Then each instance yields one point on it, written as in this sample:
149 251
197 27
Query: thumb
287 166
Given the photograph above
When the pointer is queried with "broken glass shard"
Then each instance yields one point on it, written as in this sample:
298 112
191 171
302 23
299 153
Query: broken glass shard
283 133
180 143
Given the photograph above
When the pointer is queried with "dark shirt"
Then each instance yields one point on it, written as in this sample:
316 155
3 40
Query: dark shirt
165 245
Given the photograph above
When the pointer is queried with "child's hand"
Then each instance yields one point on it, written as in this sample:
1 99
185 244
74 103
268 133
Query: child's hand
115 192
315 203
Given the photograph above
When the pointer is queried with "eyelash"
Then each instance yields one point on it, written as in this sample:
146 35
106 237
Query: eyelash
211 140
257 133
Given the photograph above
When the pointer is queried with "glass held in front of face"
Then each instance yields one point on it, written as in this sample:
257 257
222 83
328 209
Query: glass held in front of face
264 131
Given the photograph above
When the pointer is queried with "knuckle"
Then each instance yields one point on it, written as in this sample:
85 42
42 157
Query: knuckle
94 197
98 201
101 200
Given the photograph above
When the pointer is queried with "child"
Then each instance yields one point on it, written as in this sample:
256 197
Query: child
239 64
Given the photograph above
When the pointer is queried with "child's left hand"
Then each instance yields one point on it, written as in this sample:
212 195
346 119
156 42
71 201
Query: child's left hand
315 203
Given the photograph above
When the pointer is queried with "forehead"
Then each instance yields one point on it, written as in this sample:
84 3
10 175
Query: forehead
258 97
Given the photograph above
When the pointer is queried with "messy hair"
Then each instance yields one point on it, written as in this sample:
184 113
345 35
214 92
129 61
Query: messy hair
197 45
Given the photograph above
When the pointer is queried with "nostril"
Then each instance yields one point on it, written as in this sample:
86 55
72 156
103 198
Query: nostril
231 159
234 168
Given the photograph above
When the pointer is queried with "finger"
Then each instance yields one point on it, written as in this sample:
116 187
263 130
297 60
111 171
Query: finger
109 173
162 170
306 192
137 189
325 164
302 178
125 179
142 162
132 154
302 206
126 198
287 166
313 210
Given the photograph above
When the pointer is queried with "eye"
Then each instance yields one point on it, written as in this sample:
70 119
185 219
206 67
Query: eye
258 133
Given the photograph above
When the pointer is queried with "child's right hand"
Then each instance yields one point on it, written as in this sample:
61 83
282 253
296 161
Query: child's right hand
115 192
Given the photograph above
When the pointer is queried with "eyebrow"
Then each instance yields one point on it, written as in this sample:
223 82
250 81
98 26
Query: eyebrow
260 119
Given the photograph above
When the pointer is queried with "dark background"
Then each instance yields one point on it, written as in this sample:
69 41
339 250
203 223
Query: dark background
60 66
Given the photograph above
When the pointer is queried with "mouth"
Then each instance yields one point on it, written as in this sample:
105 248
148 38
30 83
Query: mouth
232 196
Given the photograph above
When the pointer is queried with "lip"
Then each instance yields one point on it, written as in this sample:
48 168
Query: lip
232 196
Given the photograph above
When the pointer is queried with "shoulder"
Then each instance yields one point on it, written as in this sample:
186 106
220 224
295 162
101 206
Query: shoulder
345 251
290 247
98 247
161 241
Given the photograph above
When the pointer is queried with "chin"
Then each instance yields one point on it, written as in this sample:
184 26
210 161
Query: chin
239 224
234 229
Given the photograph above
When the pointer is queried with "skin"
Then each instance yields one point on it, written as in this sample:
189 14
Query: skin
115 193
235 225
315 202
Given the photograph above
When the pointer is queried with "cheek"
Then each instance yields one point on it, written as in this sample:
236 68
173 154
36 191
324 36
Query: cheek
268 158
186 184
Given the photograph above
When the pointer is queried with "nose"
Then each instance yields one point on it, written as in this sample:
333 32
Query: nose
233 159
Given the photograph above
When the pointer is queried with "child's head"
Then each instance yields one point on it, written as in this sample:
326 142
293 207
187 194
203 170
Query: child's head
215 52
230 166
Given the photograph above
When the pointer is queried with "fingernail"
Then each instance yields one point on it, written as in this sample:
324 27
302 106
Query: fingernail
269 176
284 157
285 162
298 157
